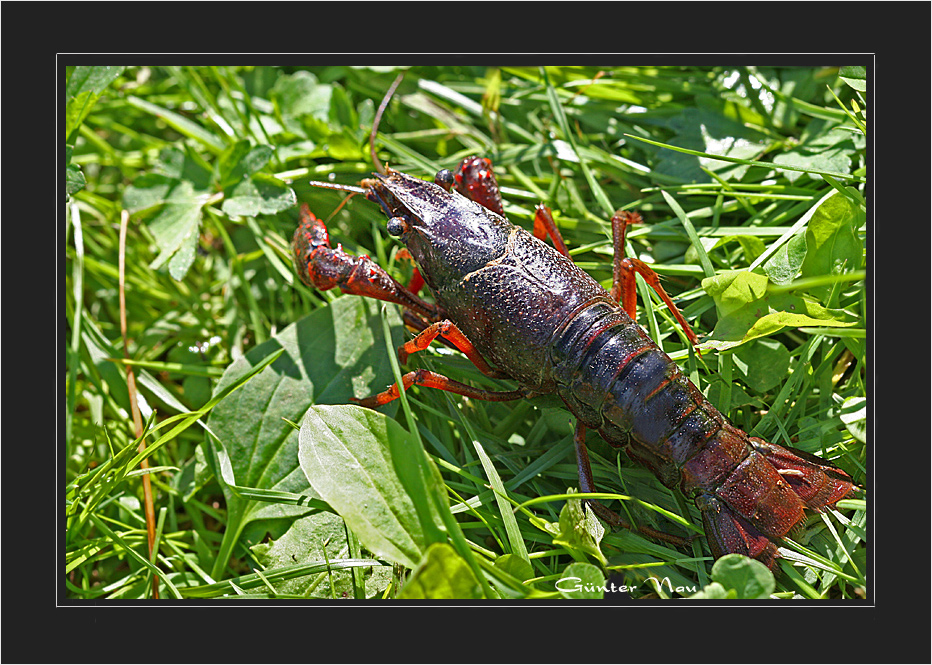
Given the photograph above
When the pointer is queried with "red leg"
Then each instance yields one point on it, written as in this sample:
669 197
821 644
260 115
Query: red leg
586 482
545 226
453 336
424 377
323 267
587 485
624 269
447 330
622 283
414 322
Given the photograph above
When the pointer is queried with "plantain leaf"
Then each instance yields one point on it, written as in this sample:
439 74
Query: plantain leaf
442 574
581 581
785 263
345 454
319 536
831 238
334 353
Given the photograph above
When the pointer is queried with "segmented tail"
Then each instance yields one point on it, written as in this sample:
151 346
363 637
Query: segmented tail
764 499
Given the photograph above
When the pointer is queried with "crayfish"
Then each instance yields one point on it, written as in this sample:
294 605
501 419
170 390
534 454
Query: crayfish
519 308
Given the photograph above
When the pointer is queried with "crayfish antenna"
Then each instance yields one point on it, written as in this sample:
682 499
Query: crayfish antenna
378 119
353 191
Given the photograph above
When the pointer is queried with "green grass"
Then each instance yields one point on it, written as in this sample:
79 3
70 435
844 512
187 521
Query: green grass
751 182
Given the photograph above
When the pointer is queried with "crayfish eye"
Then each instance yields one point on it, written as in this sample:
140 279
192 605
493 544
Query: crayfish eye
444 178
397 226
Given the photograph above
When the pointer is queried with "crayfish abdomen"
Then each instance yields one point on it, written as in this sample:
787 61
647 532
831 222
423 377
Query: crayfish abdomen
614 378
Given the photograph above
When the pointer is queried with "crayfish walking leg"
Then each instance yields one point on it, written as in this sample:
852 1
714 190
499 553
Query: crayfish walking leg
587 485
624 269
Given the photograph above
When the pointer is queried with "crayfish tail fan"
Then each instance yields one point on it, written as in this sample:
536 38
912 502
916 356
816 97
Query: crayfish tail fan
817 483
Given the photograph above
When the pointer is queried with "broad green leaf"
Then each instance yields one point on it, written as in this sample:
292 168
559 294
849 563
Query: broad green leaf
762 364
240 161
580 530
248 192
92 78
345 454
344 147
516 566
786 262
832 152
320 536
831 238
84 87
854 416
185 164
176 227
752 246
255 160
229 168
581 581
442 574
707 130
179 218
749 311
341 112
147 191
856 77
259 195
334 353
180 185
183 257
768 316
301 94
748 578
734 289
74 179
